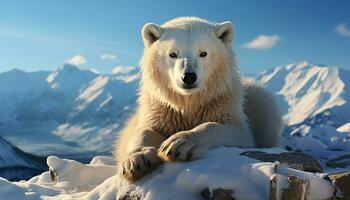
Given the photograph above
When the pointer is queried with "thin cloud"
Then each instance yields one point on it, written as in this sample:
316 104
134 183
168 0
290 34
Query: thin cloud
61 41
108 56
77 60
342 29
263 42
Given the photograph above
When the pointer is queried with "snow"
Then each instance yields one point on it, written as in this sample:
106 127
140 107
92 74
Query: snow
69 111
344 128
248 178
69 79
306 89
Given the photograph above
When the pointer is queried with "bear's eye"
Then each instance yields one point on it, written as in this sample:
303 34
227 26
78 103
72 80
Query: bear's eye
203 54
173 55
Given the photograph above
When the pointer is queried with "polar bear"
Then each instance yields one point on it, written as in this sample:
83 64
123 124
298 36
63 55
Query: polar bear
192 98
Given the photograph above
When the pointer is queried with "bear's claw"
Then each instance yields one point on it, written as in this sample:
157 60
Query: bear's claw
179 148
139 163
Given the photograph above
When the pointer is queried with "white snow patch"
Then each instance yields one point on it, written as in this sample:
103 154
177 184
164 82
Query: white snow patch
219 168
344 128
305 89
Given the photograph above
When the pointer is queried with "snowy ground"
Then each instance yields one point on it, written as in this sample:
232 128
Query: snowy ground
219 168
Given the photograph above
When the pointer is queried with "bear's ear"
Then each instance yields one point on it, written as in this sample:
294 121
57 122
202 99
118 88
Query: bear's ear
224 31
151 33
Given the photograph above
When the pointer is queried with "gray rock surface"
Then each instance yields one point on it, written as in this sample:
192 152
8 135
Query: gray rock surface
298 188
218 194
295 160
342 183
339 162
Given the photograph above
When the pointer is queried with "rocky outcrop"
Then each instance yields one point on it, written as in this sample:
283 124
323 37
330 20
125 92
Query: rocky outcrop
342 183
289 187
339 162
294 160
217 194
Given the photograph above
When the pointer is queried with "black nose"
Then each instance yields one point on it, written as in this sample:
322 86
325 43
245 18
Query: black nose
189 78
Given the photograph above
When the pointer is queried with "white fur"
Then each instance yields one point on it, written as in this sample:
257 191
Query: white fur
177 124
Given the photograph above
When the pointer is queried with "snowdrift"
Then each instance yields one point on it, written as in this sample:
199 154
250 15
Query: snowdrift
223 168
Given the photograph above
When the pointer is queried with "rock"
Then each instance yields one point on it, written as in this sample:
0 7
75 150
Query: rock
129 196
218 194
53 175
342 183
274 187
289 187
339 162
299 188
295 160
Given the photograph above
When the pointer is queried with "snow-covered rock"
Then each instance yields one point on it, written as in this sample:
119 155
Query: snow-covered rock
219 168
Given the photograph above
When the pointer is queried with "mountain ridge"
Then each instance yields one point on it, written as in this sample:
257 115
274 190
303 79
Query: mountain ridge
305 89
74 113
41 118
86 117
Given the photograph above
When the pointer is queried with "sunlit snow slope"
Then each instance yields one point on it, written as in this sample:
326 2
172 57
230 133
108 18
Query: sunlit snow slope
305 90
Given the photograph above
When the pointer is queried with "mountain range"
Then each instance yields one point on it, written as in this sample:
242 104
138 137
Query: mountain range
69 112
77 113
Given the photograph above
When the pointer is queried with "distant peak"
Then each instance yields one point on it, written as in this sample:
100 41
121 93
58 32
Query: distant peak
299 65
68 67
303 65
69 70
15 71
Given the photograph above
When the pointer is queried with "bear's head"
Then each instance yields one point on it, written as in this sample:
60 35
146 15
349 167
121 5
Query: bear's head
189 57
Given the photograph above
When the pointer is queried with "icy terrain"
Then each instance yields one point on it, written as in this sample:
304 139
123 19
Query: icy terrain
97 180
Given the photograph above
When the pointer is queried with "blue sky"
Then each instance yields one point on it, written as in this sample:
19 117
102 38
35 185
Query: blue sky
42 34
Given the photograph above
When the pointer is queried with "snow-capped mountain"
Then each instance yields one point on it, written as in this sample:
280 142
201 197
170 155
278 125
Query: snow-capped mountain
16 164
69 79
306 90
314 100
16 86
66 112
75 112
100 110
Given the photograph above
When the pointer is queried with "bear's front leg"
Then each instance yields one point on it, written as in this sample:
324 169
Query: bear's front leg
141 154
182 146
192 144
139 163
